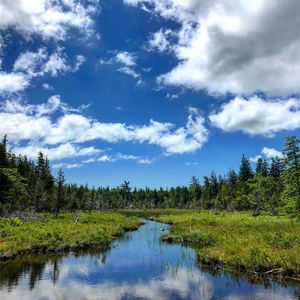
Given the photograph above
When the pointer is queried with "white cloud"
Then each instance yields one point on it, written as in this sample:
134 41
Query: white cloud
120 157
30 62
67 166
12 82
62 151
229 46
255 158
48 18
38 125
257 116
127 61
47 86
191 163
56 64
90 160
106 158
172 96
53 104
267 153
145 161
270 152
127 156
159 40
126 58
129 71
80 59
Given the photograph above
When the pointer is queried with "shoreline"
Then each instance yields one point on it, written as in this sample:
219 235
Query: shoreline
66 248
103 244
217 265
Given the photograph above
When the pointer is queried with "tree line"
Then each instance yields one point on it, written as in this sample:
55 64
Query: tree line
29 185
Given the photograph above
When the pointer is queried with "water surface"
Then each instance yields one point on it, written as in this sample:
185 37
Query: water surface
138 266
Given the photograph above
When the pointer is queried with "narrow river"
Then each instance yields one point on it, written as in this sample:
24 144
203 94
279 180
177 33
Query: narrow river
138 266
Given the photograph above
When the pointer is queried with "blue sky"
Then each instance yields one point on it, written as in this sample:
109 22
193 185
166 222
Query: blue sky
150 91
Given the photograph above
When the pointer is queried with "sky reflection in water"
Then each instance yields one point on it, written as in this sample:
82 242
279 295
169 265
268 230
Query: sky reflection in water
139 266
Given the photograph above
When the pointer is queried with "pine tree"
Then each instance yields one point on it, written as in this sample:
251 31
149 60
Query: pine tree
261 188
195 190
246 172
277 168
292 160
3 153
60 193
262 167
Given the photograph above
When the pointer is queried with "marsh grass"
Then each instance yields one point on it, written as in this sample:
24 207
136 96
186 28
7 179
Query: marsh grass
237 239
48 232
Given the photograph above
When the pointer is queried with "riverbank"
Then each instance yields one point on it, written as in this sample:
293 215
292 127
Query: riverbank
264 245
45 233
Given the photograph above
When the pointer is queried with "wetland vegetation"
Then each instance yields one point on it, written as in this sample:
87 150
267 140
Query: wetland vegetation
248 220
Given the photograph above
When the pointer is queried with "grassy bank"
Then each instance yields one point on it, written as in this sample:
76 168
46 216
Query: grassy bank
44 232
263 244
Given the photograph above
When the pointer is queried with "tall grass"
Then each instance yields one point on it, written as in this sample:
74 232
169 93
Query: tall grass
258 244
47 232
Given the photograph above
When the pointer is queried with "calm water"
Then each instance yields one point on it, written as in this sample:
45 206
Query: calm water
138 266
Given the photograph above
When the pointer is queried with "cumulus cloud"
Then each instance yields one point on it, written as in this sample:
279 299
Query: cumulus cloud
48 18
270 152
12 82
232 47
256 116
38 125
267 153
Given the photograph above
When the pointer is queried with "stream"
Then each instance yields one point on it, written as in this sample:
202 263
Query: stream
137 266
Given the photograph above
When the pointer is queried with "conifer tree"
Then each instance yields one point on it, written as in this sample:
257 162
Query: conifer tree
292 160
60 193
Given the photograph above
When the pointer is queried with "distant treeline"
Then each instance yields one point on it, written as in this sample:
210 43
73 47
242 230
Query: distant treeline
27 185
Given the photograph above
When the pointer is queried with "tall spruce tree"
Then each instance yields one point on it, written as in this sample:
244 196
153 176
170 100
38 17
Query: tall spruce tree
246 172
60 192
292 160
262 167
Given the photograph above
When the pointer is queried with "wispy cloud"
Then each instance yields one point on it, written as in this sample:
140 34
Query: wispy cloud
126 64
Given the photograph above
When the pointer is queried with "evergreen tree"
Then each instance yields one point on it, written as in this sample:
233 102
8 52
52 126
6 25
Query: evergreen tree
262 167
3 153
246 172
261 188
195 191
292 160
60 193
277 168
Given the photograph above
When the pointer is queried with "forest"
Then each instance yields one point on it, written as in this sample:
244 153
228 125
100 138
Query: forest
30 186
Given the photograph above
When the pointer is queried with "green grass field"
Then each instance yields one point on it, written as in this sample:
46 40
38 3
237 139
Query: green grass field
47 232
